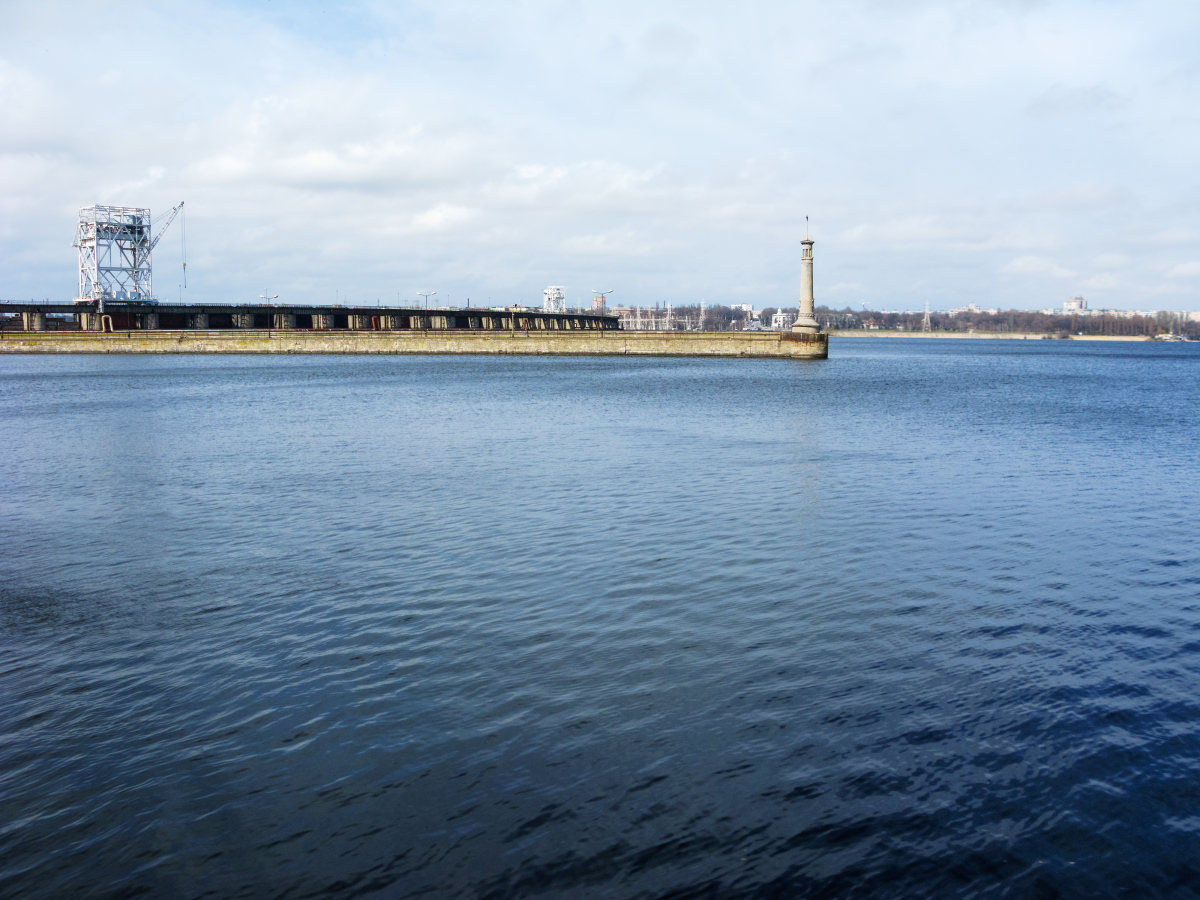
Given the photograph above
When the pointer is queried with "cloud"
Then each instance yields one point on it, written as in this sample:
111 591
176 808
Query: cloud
669 149
1060 100
442 217
1038 265
855 60
623 242
670 39
1103 282
1078 198
1185 270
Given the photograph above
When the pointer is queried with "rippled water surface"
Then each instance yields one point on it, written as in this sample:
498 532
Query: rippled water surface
923 619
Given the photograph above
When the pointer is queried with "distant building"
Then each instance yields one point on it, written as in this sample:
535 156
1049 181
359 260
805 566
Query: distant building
781 321
969 309
1077 306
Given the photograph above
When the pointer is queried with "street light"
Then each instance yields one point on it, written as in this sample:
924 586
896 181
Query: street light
426 296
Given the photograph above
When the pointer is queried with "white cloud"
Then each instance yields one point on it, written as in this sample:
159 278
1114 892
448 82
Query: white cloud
1104 282
442 217
1060 100
1038 265
1185 270
671 149
1079 198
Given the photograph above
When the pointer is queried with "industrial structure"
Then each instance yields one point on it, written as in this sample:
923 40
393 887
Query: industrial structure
125 315
116 293
116 311
115 247
638 318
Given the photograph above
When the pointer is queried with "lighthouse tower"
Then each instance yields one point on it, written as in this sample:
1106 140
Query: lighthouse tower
805 322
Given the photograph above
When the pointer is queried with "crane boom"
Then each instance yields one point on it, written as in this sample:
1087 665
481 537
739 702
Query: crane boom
171 218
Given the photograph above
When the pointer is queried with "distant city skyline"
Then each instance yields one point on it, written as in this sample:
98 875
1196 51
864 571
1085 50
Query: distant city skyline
1011 155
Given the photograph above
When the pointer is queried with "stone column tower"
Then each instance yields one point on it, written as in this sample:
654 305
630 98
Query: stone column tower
805 322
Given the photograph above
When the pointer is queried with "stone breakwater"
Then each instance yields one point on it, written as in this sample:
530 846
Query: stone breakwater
751 344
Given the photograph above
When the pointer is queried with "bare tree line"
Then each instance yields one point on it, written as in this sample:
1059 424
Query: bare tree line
1010 320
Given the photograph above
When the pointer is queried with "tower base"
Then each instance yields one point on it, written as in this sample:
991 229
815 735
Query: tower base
806 325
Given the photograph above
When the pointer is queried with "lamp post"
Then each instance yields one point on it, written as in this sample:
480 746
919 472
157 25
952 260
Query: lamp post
426 296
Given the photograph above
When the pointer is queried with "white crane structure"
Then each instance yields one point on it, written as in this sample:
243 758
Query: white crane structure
554 299
114 245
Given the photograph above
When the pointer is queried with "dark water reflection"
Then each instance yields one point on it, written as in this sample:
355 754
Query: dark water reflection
920 620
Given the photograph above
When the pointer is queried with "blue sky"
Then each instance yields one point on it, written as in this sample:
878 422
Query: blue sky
1006 153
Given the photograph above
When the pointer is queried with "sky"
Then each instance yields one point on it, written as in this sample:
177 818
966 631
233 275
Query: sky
1010 153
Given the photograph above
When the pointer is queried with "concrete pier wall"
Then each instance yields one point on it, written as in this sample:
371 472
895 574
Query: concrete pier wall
756 344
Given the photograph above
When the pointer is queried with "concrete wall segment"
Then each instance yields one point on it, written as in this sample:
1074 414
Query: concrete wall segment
765 345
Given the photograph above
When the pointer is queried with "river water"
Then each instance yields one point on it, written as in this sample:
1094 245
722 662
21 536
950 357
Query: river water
919 620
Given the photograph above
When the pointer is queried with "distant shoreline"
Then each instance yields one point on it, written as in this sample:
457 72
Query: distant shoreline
989 335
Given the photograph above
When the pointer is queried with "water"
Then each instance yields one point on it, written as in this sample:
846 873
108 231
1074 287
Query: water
923 619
